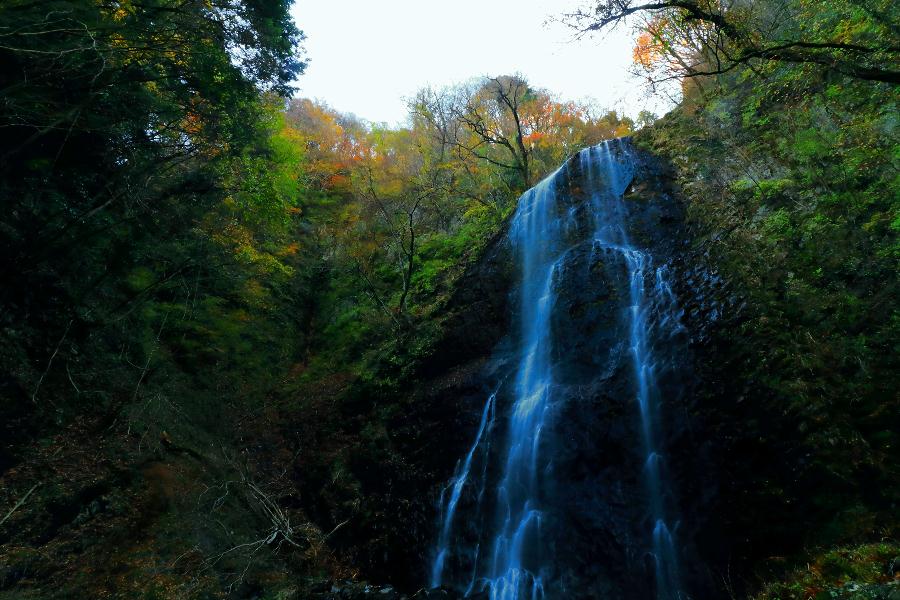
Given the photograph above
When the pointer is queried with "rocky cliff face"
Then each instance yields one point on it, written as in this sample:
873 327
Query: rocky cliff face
597 519
601 497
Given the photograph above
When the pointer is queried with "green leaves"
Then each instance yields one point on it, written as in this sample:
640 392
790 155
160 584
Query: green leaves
792 188
149 193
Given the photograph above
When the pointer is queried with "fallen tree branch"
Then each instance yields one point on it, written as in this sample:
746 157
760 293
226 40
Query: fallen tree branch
19 503
50 362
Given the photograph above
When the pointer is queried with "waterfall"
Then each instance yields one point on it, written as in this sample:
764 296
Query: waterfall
511 559
515 567
449 503
610 233
513 572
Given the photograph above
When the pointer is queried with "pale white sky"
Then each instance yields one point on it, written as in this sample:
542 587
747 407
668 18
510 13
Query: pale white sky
366 56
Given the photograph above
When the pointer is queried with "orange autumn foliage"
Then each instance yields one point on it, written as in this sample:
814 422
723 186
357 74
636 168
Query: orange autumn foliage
649 48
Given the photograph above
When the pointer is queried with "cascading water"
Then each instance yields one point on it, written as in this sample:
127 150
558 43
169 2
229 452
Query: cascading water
610 234
514 569
449 503
512 559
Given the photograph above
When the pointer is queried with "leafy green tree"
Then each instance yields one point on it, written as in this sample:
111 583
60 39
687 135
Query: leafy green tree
135 136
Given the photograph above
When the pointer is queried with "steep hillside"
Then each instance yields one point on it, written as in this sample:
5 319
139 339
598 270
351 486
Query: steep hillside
791 191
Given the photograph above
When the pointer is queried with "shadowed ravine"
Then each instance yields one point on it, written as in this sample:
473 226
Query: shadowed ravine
505 517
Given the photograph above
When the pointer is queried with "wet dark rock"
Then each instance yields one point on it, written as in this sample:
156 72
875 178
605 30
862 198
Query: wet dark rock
320 587
436 594
351 590
596 526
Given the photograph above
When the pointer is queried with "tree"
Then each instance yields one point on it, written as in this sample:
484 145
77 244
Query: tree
144 172
493 112
108 102
856 38
519 132
402 193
